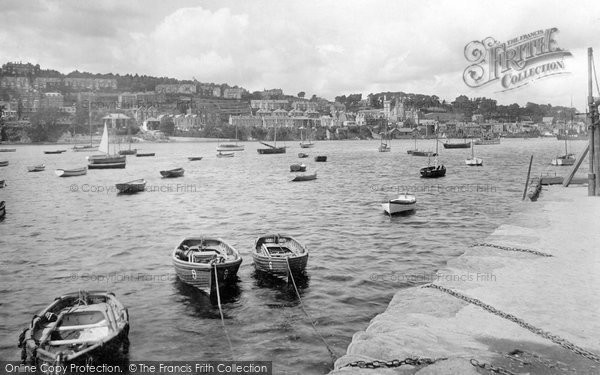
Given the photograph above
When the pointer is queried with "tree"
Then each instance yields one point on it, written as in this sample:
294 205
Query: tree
167 126
45 125
301 94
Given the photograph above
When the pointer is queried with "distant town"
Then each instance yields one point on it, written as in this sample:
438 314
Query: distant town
44 105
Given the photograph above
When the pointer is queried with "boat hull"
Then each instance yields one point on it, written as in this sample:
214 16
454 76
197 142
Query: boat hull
433 172
457 145
128 152
2 209
422 153
145 155
71 172
487 142
278 265
102 159
102 348
309 177
131 187
8 149
225 155
563 161
269 151
297 168
173 173
321 159
194 158
54 152
201 274
4 163
306 145
302 155
475 162
222 148
392 208
120 165
36 168
1 184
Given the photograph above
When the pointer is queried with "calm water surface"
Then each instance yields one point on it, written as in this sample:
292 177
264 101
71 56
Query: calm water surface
66 234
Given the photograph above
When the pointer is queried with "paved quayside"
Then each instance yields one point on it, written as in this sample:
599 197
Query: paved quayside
559 295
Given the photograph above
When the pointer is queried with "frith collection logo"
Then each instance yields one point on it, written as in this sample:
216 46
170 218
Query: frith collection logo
514 63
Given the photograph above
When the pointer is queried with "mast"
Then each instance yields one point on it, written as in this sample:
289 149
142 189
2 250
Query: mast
90 121
275 133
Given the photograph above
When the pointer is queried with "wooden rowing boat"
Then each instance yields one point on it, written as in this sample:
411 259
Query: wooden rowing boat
131 187
403 203
177 172
77 328
2 209
196 258
36 168
141 155
297 168
71 172
194 158
4 163
55 152
305 177
273 253
117 165
321 158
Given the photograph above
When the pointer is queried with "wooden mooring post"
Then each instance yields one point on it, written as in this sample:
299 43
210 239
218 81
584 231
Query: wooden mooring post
594 134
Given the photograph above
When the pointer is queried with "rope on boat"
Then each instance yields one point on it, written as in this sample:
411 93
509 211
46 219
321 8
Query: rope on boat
221 311
538 331
332 354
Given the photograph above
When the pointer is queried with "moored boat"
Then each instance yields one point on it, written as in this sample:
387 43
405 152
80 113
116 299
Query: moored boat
225 154
194 158
456 145
433 171
141 155
177 172
2 209
36 168
197 259
117 165
78 327
563 160
54 152
321 158
297 168
422 153
279 254
71 172
473 161
302 155
403 203
305 177
4 163
2 184
128 152
131 186
230 147
484 141
8 149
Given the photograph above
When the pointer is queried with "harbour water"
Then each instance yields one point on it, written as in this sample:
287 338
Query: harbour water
68 234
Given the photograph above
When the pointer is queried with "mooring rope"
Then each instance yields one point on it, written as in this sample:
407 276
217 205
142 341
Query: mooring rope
538 331
507 248
221 311
312 322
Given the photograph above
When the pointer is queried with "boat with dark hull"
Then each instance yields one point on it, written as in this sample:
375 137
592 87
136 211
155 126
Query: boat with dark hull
456 145
4 163
146 154
305 177
71 172
8 149
271 149
118 165
131 187
36 168
54 152
194 158
433 171
172 173
297 168
198 259
321 158
2 209
78 327
278 254
2 184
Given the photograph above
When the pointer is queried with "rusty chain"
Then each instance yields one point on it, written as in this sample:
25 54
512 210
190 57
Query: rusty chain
413 361
485 244
491 368
547 335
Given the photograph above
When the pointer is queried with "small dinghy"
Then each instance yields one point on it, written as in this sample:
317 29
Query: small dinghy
77 328
4 163
36 168
131 187
404 202
273 253
196 258
1 184
116 165
194 158
171 173
54 152
302 155
321 158
225 154
141 155
305 177
297 168
2 209
71 172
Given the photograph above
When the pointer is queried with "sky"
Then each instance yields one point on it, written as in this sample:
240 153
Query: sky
322 47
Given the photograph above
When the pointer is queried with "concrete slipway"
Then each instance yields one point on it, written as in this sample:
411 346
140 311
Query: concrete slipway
557 295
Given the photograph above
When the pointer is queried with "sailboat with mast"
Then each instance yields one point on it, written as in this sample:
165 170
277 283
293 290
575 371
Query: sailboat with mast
272 149
568 158
129 151
106 161
473 161
305 143
91 146
417 152
230 146
436 169
385 145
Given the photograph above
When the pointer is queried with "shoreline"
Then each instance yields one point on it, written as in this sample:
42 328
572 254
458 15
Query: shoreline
549 296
